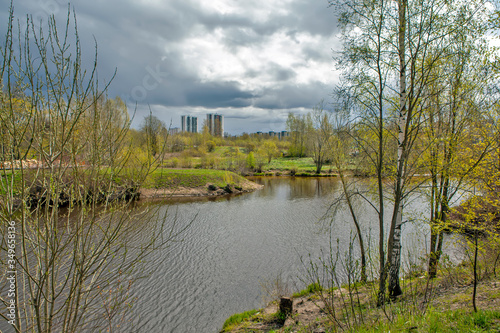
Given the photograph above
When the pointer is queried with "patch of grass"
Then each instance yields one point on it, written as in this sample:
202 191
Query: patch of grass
191 178
495 294
433 321
304 164
297 166
237 318
313 287
460 298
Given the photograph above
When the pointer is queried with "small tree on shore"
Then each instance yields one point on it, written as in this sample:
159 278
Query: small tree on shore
153 128
319 134
269 150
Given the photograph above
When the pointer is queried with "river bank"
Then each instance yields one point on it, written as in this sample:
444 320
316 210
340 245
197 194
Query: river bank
160 183
174 183
443 304
449 310
208 190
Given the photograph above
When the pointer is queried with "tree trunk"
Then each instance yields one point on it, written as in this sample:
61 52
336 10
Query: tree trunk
363 277
437 233
286 306
394 250
319 165
434 256
382 269
474 292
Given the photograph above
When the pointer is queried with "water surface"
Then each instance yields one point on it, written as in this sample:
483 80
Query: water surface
236 244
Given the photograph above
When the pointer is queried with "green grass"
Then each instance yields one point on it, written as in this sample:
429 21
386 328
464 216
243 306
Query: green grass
313 287
191 178
304 164
237 319
433 321
159 178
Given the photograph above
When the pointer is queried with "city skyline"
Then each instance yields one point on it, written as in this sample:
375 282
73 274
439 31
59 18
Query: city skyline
215 124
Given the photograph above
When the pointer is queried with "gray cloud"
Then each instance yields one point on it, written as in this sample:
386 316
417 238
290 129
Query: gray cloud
166 54
294 96
215 94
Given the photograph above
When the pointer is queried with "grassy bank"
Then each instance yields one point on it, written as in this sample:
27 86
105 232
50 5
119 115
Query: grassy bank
165 182
161 182
299 165
6 178
443 304
449 312
191 178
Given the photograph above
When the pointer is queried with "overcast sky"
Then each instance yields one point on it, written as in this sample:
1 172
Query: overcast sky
252 61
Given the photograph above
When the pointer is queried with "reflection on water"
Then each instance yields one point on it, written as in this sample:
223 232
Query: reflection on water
295 188
234 244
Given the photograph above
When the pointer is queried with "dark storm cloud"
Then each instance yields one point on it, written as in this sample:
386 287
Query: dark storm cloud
293 96
149 43
213 95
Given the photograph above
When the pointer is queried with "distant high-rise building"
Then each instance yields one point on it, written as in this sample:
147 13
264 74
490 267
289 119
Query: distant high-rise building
189 124
194 124
183 123
210 123
215 124
219 125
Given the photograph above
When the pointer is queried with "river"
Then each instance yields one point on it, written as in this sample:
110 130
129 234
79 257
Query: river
235 245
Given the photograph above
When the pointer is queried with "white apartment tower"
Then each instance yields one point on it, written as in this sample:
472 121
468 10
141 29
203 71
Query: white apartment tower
189 124
215 124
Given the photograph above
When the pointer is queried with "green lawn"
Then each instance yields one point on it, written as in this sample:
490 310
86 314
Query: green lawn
173 178
304 164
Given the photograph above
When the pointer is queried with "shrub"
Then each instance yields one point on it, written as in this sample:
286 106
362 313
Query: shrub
187 162
251 160
211 146
174 162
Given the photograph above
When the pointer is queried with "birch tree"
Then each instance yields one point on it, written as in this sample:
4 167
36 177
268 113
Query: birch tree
390 50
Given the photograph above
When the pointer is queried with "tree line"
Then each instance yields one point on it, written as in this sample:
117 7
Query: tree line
418 106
